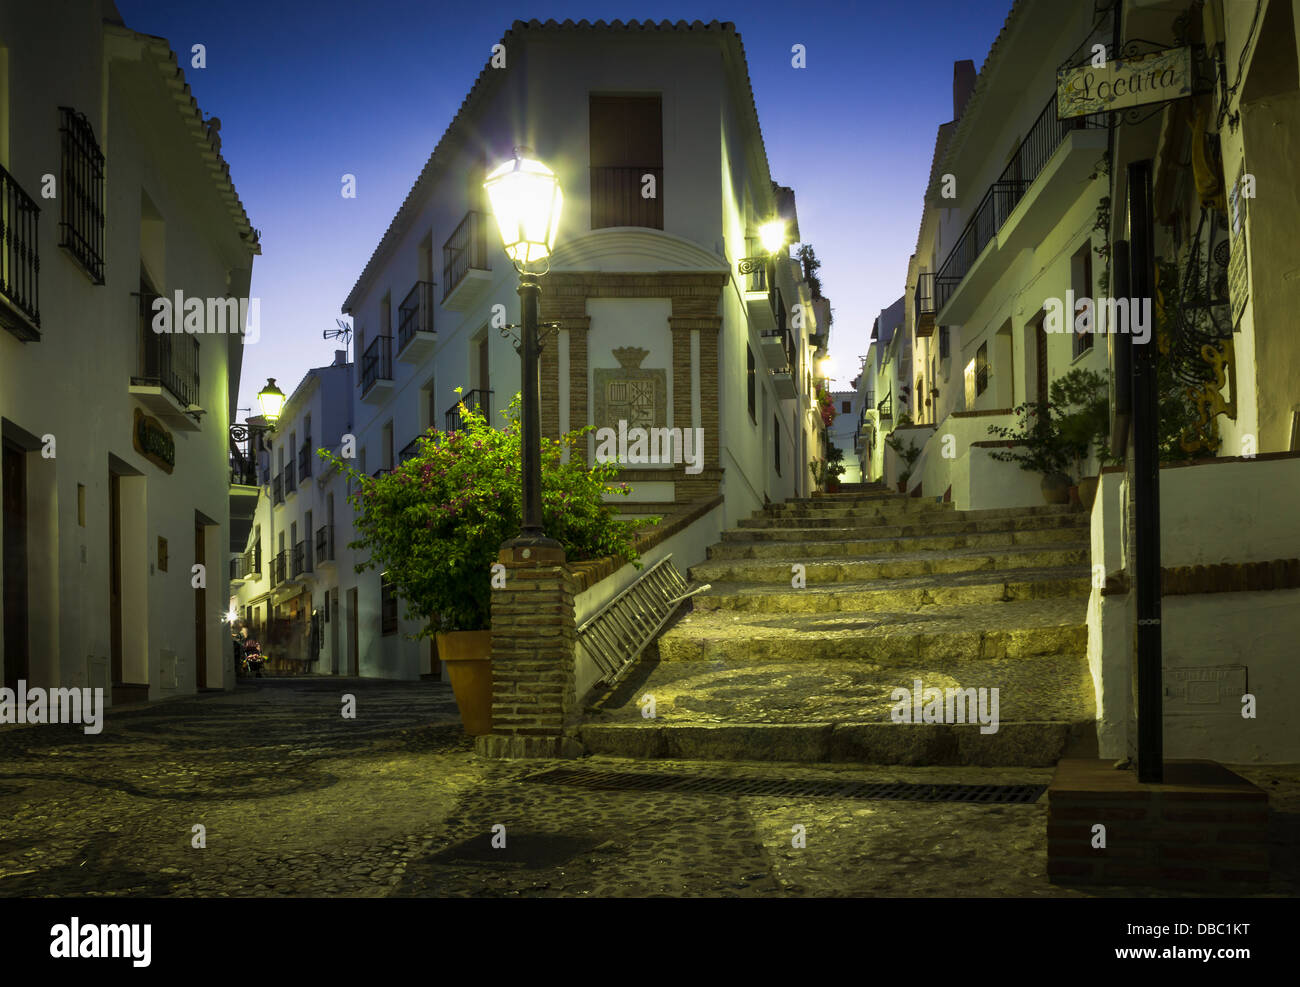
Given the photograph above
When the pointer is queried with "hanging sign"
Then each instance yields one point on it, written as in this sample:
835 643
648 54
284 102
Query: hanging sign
1153 77
152 440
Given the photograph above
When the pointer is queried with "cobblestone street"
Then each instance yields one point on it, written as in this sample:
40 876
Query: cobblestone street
298 801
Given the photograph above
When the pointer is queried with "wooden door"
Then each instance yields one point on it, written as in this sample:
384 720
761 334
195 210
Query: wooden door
483 376
200 613
1040 344
115 575
13 477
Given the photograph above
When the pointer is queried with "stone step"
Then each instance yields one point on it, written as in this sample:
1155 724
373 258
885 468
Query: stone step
1051 688
799 550
895 566
949 524
935 637
896 594
915 512
1014 745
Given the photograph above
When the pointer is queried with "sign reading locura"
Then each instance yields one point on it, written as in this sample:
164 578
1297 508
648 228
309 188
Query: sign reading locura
154 442
1123 82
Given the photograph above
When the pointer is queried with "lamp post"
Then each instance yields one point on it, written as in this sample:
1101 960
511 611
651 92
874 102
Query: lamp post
526 201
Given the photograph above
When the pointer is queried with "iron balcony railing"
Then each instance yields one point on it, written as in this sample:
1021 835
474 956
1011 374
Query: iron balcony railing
253 561
277 489
279 566
465 250
376 362
325 543
415 314
243 458
382 471
923 304
81 226
476 400
410 449
238 567
886 408
20 265
787 344
302 558
1002 197
167 359
617 198
304 459
290 481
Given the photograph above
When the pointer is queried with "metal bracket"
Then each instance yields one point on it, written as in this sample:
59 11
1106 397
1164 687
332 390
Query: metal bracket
552 328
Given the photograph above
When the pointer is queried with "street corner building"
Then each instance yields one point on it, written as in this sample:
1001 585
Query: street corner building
1051 165
668 311
116 466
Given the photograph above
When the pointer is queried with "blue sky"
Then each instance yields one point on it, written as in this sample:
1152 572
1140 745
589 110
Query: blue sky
307 91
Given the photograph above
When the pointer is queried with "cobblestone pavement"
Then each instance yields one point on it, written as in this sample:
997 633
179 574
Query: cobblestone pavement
296 800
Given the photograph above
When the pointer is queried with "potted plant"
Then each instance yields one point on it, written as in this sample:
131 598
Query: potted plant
834 469
1054 438
435 524
908 454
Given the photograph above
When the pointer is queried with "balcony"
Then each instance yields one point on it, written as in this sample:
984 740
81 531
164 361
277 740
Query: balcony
304 459
168 381
415 335
784 384
760 302
20 265
617 200
301 559
253 563
466 272
1035 172
885 409
477 400
243 458
325 545
923 305
377 370
410 449
290 480
778 349
279 567
238 569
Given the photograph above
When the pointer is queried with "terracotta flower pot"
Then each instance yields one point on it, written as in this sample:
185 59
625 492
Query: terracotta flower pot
1088 491
468 655
1056 488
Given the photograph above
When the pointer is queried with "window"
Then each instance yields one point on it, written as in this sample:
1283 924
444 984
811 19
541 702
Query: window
627 161
776 443
751 381
943 343
1081 282
387 606
982 369
846 408
81 222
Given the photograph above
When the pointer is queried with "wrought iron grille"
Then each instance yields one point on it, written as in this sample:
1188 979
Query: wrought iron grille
415 314
305 458
167 359
325 543
476 400
20 264
81 225
377 362
465 250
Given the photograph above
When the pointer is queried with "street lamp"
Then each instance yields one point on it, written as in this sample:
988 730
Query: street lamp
526 200
271 400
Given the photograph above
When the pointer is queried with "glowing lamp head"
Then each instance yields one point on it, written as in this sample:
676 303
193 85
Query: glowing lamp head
271 400
526 201
772 236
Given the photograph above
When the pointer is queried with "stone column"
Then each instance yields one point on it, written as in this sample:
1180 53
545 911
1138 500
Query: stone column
534 708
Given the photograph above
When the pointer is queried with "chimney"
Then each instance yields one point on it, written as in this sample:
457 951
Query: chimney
963 84
340 357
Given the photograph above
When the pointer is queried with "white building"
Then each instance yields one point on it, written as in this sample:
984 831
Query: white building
286 576
115 465
664 194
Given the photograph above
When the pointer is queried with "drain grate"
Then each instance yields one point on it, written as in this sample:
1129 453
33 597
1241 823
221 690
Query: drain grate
629 781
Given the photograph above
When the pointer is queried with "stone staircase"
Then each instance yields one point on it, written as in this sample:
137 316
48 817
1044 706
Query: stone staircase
896 589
